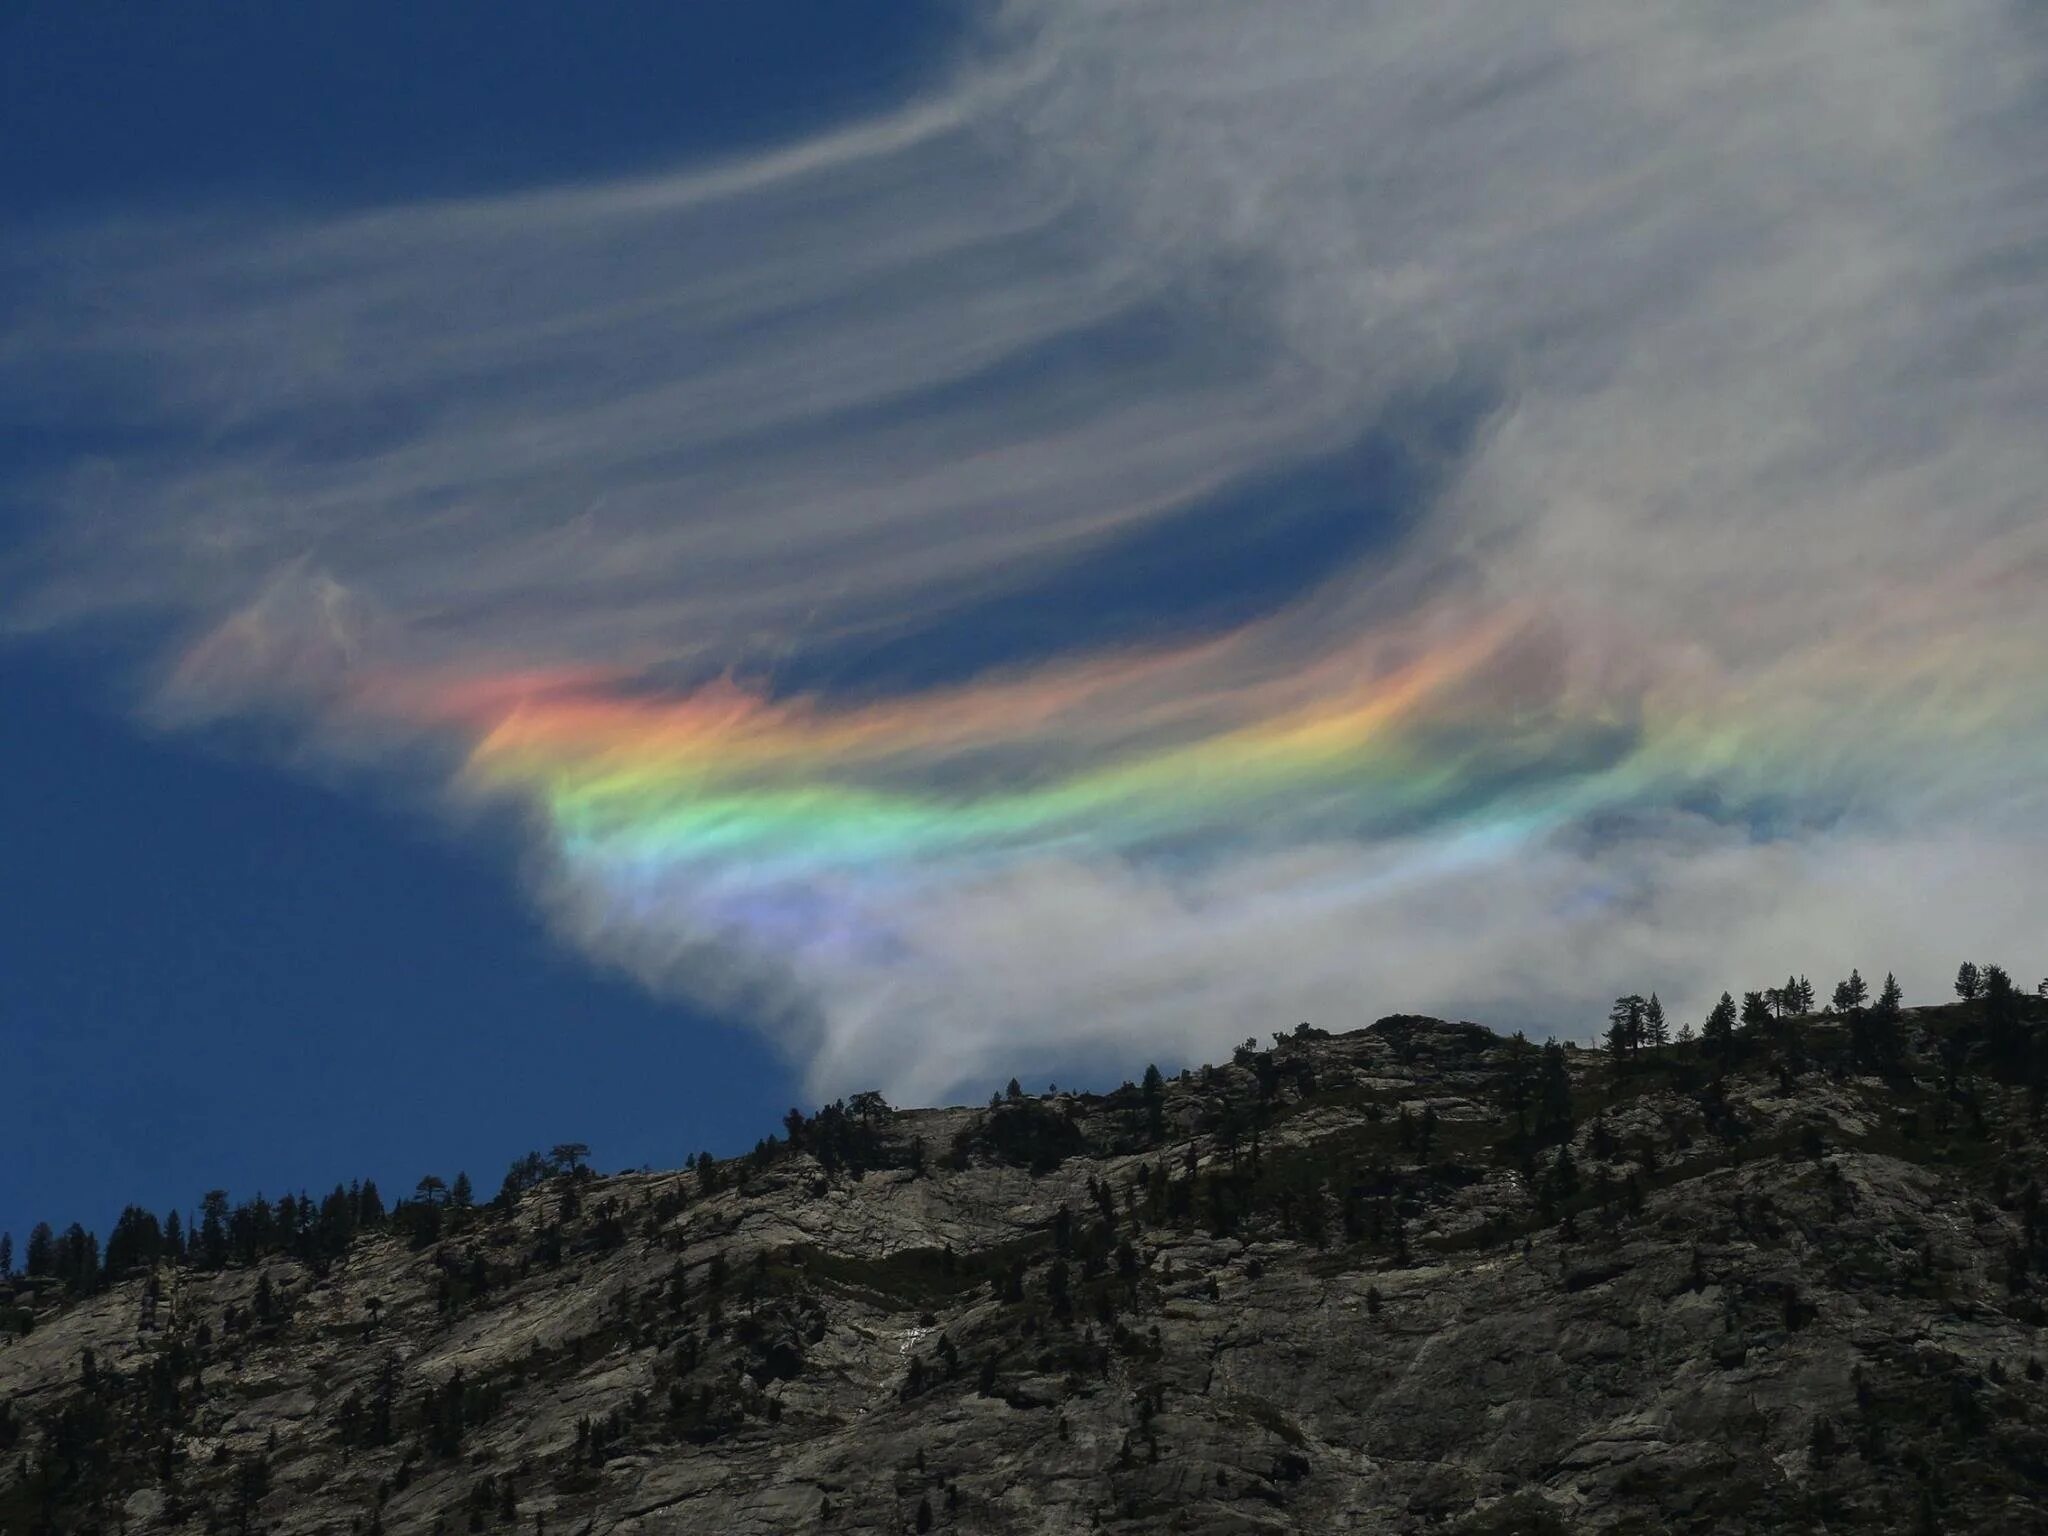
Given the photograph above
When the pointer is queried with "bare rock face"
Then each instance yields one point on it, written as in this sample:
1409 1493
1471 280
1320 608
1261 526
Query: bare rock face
1359 1282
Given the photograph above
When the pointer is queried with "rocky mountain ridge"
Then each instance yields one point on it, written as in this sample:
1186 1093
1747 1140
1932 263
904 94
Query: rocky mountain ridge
1418 1277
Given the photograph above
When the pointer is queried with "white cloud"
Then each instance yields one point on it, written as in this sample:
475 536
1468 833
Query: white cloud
1757 298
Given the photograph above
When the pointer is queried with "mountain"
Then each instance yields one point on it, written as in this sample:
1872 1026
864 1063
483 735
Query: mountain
1413 1278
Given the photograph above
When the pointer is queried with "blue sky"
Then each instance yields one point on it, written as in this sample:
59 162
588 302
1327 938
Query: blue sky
214 974
588 581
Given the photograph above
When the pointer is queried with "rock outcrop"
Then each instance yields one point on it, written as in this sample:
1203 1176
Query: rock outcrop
1355 1282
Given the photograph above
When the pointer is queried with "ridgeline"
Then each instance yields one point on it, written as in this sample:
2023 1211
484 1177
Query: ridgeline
1788 1276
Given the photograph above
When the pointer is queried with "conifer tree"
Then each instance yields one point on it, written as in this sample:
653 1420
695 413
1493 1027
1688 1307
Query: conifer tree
1851 995
1554 1089
213 1229
41 1254
1969 982
1717 1035
1153 1094
1656 1031
1517 1080
1625 1025
1891 1000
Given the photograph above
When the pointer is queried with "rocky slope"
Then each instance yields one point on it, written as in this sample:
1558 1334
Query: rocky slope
1338 1284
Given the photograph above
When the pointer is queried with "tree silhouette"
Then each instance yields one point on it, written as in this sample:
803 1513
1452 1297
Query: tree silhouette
1554 1089
1717 1035
1625 1025
1518 1080
1851 995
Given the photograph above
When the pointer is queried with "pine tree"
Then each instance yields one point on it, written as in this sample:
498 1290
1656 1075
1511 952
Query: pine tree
1851 995
1625 1026
1553 1089
1717 1035
2001 1015
6 1254
41 1255
1153 1093
1564 1174
1656 1032
213 1229
1756 1011
1969 982
1517 1080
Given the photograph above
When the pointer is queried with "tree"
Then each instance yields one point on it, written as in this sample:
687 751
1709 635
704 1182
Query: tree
568 1156
460 1194
1625 1025
528 1172
1874 1035
6 1254
1152 1092
1553 1089
1892 999
432 1189
1014 1092
2001 1015
76 1261
1851 995
41 1256
1656 1031
1756 1010
1969 982
1518 1078
135 1242
213 1229
1717 1035
1805 995
1564 1175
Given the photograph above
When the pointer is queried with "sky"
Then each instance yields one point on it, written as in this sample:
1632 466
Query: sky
814 547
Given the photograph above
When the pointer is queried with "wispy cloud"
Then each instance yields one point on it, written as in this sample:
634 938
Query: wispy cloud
1718 630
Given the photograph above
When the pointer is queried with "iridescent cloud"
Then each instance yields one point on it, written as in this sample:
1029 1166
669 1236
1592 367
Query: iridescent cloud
1707 646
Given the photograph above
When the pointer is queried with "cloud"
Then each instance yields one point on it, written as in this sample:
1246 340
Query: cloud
1710 650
